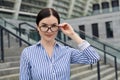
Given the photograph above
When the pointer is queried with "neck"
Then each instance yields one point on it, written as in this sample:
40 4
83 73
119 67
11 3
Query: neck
48 43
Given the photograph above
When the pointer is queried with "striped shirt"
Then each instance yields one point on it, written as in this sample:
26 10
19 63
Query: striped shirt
35 64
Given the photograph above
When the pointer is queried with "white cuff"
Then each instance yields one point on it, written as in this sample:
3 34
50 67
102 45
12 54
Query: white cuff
83 45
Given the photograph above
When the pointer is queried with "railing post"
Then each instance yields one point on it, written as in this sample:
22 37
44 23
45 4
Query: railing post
8 40
104 53
64 38
5 23
2 46
91 66
20 43
116 74
98 70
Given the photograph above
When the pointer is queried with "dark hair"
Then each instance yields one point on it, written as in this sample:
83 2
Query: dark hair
46 12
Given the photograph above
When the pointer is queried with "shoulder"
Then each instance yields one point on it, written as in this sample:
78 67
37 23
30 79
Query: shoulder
28 50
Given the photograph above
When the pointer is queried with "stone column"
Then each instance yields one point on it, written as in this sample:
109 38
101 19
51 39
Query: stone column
102 30
50 3
116 28
71 8
17 8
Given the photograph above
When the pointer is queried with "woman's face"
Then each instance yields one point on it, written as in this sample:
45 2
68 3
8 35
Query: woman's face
48 28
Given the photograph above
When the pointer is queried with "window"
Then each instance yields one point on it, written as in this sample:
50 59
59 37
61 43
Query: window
96 8
1 3
115 5
95 31
105 7
82 31
109 29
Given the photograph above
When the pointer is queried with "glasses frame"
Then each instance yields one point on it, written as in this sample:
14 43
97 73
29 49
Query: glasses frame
48 29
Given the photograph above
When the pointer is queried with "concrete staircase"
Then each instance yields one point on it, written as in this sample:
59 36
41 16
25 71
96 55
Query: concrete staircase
85 73
9 70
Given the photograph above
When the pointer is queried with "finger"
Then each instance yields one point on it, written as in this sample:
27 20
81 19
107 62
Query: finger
62 24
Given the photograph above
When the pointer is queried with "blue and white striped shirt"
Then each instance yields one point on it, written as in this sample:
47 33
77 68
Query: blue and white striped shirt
35 64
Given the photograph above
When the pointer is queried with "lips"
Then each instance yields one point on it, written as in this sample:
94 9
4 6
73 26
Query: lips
49 35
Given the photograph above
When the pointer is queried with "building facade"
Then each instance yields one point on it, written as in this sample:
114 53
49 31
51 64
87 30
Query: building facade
27 9
104 27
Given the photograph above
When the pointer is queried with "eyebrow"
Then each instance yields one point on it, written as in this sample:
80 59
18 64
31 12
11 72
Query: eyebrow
48 24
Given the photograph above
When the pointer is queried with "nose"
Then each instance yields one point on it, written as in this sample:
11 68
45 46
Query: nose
49 30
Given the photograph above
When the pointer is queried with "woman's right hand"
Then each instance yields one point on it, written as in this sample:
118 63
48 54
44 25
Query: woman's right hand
66 29
69 31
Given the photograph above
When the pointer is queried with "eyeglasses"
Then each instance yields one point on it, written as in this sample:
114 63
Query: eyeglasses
45 28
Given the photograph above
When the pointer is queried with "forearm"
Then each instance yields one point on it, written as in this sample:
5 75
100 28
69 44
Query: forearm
89 52
85 55
74 36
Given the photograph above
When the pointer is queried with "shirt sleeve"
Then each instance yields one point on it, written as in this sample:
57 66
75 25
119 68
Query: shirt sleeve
85 55
24 67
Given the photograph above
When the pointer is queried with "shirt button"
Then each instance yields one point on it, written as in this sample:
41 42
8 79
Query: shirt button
53 72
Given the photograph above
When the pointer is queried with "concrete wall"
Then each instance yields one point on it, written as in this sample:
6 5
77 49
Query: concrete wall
101 20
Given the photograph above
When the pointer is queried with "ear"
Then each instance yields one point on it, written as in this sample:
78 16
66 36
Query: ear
37 28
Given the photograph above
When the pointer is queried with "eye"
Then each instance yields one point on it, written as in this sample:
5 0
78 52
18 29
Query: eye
54 25
44 25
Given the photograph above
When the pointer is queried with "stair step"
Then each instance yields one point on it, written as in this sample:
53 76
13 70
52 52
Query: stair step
111 76
12 58
10 77
107 72
79 69
103 73
86 73
76 65
13 51
8 71
9 64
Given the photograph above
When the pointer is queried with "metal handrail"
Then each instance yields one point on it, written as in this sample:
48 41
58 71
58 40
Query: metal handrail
96 40
2 41
115 63
23 23
20 25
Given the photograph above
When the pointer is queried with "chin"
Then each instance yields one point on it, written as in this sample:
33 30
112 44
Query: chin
49 39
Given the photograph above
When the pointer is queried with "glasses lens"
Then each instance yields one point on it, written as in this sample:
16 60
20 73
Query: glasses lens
45 28
54 27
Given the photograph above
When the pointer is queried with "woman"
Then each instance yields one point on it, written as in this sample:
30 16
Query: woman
48 60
